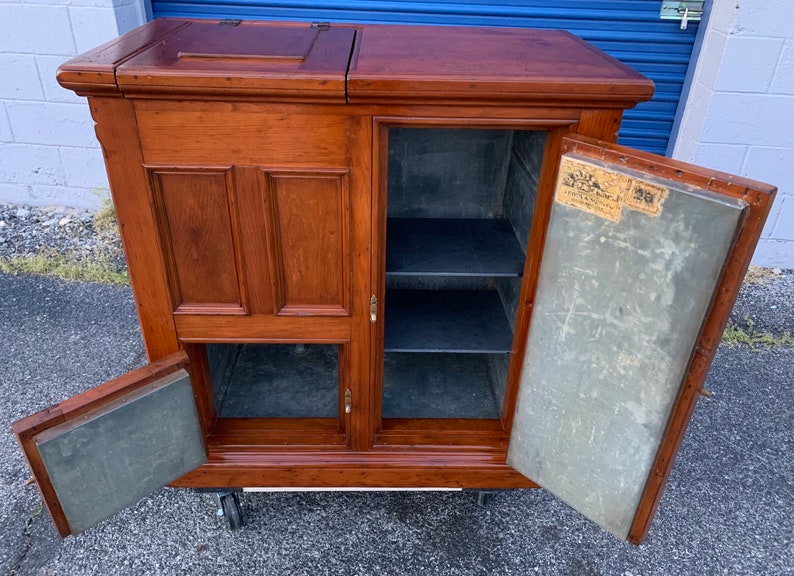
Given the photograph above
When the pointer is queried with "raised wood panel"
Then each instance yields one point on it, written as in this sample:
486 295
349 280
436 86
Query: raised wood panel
199 232
191 133
310 229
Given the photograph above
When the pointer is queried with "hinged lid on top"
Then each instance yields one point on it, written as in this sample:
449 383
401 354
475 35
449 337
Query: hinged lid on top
291 61
488 65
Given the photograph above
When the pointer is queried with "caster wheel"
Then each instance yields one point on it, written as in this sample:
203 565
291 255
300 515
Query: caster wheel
231 510
484 497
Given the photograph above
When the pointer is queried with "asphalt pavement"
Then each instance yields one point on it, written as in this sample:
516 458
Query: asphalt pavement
728 508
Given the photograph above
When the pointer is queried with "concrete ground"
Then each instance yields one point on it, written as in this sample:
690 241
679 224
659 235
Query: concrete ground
727 508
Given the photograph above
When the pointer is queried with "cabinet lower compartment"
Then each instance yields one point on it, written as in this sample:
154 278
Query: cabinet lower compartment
420 385
274 380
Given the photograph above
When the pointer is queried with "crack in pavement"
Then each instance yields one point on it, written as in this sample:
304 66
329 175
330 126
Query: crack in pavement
28 540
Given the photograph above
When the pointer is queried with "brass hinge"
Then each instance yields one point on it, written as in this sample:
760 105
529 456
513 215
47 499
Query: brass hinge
348 401
684 10
373 309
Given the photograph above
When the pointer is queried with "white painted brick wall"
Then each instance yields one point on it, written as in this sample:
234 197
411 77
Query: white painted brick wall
739 114
48 150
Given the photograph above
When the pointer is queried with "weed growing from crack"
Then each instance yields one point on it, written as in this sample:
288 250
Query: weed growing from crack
735 335
53 263
105 218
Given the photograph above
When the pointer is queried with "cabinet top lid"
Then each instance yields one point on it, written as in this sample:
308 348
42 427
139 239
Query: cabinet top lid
292 61
358 64
496 64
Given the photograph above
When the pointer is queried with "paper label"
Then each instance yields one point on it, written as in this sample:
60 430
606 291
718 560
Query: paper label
604 192
646 197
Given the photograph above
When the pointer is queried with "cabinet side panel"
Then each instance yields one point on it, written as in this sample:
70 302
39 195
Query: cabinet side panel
446 172
117 131
310 227
197 229
601 124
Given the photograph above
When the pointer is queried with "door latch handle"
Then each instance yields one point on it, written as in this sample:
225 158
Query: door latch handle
373 309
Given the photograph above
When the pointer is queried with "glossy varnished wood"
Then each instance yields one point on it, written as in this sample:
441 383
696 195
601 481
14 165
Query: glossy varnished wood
435 467
292 60
219 133
460 65
310 241
199 230
255 254
262 328
94 72
363 416
117 132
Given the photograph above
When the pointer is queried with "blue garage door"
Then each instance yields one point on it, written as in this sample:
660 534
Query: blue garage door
629 30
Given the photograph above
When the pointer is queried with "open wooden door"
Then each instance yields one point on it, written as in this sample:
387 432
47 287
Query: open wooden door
642 262
106 448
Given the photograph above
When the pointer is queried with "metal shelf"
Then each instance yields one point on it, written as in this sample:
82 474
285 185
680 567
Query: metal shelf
461 321
452 247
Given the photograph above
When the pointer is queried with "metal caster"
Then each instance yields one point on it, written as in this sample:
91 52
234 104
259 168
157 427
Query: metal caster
229 507
484 497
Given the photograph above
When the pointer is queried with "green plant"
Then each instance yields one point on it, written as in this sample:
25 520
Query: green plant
105 217
63 266
735 335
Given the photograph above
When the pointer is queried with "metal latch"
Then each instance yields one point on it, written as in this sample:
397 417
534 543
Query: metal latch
321 26
686 11
373 309
229 22
348 401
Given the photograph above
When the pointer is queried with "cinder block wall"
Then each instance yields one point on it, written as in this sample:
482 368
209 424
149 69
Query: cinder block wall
48 151
739 116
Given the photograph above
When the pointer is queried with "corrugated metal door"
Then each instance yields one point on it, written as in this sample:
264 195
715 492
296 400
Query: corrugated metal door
629 30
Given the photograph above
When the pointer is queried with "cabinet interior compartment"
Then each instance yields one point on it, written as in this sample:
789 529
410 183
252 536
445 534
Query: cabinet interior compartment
274 380
460 203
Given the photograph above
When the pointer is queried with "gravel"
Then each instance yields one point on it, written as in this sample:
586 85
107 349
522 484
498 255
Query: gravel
27 231
767 305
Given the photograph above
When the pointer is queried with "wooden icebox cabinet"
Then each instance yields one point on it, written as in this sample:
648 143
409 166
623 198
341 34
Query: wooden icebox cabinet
394 257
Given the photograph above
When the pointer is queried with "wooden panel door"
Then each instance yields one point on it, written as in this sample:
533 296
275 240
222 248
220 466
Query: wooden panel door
310 241
643 259
106 448
197 214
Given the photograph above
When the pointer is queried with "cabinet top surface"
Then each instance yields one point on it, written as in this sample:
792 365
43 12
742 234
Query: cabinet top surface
505 63
358 64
